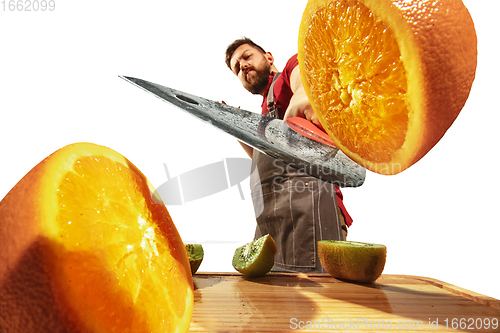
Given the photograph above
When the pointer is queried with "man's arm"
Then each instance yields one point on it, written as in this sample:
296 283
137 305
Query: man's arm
247 148
299 103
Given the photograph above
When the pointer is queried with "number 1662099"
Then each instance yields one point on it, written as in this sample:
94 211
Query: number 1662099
27 5
471 323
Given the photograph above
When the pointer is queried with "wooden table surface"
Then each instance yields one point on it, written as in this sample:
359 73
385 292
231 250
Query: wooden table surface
281 302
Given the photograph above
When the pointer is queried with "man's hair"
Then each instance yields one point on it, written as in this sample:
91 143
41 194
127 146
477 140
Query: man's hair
237 43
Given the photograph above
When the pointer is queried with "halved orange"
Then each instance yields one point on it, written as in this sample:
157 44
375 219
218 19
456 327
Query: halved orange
85 248
387 78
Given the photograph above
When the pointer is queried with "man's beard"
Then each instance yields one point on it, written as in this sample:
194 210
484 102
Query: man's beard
261 80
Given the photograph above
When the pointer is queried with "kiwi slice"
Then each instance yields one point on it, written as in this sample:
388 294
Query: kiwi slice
255 258
195 256
354 261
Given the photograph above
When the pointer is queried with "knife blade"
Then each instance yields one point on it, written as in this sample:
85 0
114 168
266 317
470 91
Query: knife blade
271 136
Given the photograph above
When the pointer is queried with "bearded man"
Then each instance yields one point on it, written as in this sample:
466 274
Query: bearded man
299 210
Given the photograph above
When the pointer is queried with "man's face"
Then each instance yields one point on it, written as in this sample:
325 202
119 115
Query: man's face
252 68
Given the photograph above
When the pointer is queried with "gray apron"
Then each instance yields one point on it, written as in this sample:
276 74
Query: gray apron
297 210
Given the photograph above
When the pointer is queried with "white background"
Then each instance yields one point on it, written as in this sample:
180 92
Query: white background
59 84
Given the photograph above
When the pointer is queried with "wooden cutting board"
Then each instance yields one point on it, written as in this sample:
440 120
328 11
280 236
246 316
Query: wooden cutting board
282 302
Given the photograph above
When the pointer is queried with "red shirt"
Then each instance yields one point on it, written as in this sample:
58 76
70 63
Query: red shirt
282 94
282 89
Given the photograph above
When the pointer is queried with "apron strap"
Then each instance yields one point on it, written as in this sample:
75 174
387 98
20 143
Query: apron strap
272 110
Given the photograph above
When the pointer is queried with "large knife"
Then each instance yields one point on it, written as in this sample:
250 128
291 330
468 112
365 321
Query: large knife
272 136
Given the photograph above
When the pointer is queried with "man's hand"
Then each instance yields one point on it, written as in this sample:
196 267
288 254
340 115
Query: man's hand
299 103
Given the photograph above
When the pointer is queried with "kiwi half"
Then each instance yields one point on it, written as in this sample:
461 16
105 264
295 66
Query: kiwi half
195 256
354 261
255 258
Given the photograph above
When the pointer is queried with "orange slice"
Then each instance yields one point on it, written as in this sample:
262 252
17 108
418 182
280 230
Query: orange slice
84 247
387 78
